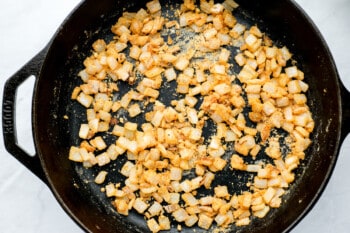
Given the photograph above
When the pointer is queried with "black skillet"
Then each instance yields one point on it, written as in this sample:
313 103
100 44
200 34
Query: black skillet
56 68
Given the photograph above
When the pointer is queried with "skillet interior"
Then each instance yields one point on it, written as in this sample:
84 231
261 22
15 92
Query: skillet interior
73 185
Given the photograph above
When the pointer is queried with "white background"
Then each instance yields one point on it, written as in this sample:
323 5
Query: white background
27 205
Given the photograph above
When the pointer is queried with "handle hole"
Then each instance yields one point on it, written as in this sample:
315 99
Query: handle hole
23 120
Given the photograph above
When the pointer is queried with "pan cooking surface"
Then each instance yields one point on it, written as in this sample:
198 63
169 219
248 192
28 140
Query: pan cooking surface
235 180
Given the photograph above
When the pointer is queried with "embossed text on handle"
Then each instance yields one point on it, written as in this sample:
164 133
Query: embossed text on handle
7 116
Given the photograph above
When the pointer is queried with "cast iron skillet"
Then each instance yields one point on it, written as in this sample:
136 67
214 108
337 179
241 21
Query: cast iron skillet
56 68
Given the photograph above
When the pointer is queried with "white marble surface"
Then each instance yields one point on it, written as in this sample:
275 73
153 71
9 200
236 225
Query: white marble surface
27 205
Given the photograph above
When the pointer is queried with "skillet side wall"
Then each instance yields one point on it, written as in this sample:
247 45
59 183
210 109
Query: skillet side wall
53 134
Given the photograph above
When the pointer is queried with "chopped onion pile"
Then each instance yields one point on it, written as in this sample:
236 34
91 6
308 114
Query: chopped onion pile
170 143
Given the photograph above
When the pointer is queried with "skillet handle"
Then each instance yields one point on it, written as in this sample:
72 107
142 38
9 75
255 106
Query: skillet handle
9 112
345 96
